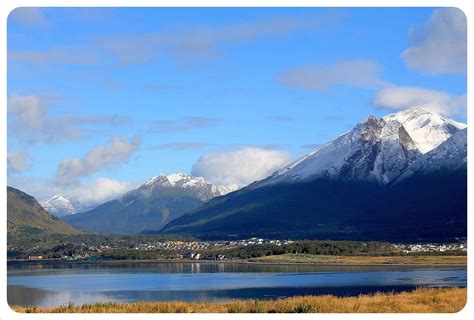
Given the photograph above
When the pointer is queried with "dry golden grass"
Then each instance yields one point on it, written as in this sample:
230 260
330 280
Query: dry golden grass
421 300
365 260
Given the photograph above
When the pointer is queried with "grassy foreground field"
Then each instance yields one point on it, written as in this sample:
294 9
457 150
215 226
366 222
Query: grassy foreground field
363 260
421 300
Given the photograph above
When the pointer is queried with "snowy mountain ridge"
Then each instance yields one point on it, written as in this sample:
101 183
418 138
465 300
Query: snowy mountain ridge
377 149
60 205
187 181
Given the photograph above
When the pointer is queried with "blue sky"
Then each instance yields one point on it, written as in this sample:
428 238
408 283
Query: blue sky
105 98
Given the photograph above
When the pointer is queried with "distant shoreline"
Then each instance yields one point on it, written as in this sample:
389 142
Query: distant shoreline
418 261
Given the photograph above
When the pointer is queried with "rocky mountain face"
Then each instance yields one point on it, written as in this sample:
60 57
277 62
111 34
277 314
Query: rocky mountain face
149 206
399 177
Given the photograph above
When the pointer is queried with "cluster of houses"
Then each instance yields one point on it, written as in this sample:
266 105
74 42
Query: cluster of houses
200 245
433 247
65 257
254 241
174 245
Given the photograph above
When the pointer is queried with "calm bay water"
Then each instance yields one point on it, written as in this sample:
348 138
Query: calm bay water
52 284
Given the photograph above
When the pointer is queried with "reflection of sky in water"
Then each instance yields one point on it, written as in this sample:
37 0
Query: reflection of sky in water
111 284
216 281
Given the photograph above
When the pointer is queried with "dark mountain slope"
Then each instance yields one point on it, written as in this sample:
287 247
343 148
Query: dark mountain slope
328 209
26 217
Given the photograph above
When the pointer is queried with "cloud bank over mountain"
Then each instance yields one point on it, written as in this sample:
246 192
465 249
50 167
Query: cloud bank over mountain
240 166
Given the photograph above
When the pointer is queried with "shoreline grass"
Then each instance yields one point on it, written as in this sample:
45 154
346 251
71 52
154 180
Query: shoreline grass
420 300
424 260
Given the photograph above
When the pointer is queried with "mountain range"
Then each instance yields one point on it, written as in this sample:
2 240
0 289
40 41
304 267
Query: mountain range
149 206
399 177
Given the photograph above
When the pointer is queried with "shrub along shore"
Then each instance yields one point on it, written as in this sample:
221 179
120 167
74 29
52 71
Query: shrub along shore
420 300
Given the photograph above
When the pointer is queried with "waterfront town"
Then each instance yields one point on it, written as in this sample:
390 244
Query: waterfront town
194 250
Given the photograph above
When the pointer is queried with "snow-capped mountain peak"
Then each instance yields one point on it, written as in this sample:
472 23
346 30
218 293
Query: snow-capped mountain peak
159 179
59 198
187 181
59 205
377 149
426 128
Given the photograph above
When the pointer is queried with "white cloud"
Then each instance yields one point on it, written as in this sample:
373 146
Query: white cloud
53 57
89 192
408 97
30 122
182 44
17 162
359 73
130 49
100 190
241 166
439 46
31 16
28 111
116 151
203 42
